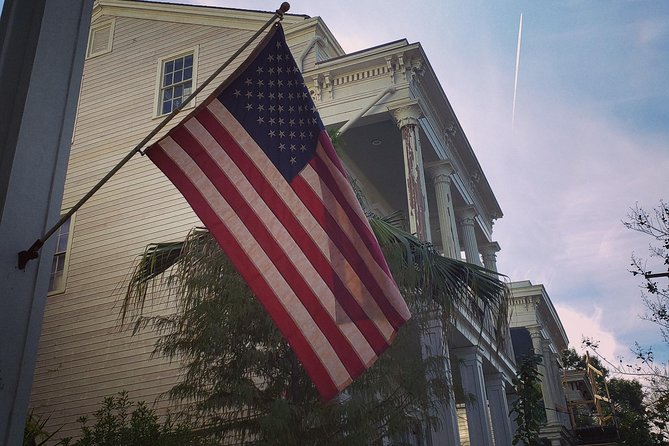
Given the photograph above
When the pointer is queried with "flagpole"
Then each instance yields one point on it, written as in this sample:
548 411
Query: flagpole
32 252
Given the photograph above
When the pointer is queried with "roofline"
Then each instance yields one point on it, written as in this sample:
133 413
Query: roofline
209 13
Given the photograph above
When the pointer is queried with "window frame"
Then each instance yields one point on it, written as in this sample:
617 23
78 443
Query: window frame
66 258
96 27
157 103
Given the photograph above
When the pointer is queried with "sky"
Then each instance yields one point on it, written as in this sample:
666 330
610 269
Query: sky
590 138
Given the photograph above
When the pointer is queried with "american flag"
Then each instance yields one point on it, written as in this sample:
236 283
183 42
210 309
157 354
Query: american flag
257 166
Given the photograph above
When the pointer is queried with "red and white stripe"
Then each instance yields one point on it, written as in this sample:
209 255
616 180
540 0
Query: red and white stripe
305 247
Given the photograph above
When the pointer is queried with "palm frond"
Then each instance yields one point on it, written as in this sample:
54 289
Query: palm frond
421 271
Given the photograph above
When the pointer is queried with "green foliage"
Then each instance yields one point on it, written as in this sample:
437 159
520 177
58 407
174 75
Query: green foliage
633 423
242 382
35 433
119 421
528 408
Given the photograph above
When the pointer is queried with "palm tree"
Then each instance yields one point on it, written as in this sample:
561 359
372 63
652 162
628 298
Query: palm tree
240 379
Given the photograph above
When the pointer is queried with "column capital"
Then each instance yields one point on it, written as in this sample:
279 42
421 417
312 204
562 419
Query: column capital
407 114
535 331
440 171
489 248
466 215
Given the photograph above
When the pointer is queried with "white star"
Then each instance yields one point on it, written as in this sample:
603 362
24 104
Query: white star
249 81
270 57
270 70
282 133
260 120
281 121
278 44
291 135
282 147
237 93
291 122
293 148
293 160
249 94
261 107
261 82
279 57
302 136
272 121
261 95
303 148
249 107
272 107
259 70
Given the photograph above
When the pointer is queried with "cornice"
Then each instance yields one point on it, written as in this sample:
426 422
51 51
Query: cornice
193 14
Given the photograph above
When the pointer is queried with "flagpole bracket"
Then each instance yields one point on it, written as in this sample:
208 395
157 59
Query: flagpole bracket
30 254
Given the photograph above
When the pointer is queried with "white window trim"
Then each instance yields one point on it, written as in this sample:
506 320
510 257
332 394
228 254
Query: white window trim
66 264
159 72
110 44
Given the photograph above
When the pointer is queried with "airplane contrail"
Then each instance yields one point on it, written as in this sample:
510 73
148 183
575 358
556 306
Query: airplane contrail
515 82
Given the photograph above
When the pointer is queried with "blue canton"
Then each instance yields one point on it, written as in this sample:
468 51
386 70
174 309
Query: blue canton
272 103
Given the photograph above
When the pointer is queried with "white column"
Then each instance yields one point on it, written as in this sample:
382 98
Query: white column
499 409
448 433
441 179
489 253
549 403
467 221
473 386
407 120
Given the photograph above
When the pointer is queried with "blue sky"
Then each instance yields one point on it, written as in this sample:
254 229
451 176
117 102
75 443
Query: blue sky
590 140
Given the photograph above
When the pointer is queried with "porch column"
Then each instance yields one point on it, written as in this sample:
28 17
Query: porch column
467 221
549 403
441 179
471 375
407 120
489 253
499 409
433 344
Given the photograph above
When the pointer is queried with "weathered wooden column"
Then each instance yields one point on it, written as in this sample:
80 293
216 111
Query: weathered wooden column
499 409
407 120
473 385
467 216
440 172
489 254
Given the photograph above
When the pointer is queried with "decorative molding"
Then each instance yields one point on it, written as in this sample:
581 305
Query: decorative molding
440 171
407 115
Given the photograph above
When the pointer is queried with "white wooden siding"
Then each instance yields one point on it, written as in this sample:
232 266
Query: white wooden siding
83 354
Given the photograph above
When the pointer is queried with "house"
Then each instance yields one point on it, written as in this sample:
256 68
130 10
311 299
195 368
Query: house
536 329
402 143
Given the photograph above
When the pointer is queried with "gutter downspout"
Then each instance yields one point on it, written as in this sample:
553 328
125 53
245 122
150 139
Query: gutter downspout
389 90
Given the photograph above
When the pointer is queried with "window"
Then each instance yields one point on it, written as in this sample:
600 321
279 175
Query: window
100 39
61 258
176 82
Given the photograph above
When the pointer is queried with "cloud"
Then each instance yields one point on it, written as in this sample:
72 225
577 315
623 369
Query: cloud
579 325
